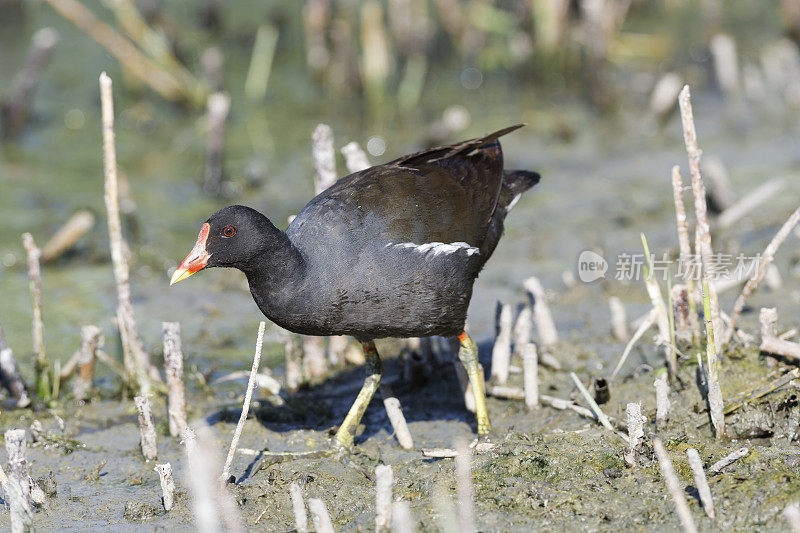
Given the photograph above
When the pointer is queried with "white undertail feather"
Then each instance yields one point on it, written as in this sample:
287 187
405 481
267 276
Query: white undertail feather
436 248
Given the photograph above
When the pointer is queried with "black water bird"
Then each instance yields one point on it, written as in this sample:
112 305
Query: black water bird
390 251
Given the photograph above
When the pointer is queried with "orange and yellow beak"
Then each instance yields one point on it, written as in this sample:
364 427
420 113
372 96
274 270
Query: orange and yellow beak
197 258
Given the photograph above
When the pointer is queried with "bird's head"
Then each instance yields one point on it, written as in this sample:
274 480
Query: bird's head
229 238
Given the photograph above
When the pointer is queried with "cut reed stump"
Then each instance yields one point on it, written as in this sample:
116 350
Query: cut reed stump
167 485
699 192
67 235
173 364
384 479
42 365
136 360
396 418
501 351
217 109
17 484
713 389
298 508
685 251
548 336
91 341
147 430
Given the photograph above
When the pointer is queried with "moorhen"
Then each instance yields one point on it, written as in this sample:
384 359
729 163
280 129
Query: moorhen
390 251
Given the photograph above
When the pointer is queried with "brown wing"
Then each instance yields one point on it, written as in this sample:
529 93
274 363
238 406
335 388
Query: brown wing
444 194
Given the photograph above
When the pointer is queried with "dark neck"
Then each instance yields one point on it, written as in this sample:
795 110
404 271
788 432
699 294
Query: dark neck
275 273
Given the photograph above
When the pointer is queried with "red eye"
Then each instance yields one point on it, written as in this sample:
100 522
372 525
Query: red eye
228 231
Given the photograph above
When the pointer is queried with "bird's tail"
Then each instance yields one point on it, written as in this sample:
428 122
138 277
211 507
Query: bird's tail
515 182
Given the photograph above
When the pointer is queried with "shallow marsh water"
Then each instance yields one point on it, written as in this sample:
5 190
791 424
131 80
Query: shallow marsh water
601 187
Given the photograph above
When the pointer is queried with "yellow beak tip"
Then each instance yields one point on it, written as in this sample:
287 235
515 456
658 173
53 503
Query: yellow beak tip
179 275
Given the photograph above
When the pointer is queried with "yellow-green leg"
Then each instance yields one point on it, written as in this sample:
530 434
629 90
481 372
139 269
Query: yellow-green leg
468 354
374 368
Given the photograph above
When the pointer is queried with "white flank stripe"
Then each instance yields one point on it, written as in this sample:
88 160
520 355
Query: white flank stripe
436 248
513 202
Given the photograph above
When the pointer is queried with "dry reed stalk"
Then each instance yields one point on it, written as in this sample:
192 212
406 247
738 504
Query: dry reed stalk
464 488
376 61
324 156
636 422
257 80
136 360
167 485
91 341
384 479
67 235
319 512
146 428
548 336
35 276
699 192
501 351
226 469
714 390
700 482
402 521
728 460
662 317
210 497
601 417
720 188
154 44
299 508
726 65
766 259
173 367
650 319
354 157
449 453
217 109
768 317
548 360
522 329
16 484
749 203
294 370
681 317
396 418
17 100
619 320
674 486
792 515
662 400
506 392
530 375
466 386
782 347
316 18
315 363
160 80
337 347
665 94
9 374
